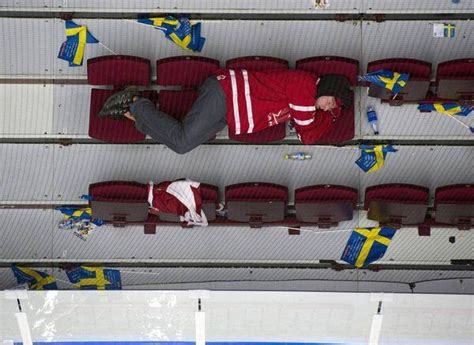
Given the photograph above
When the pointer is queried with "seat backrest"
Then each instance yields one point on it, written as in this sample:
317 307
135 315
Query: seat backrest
454 204
461 68
455 194
256 203
321 65
397 204
326 193
118 70
397 193
256 191
326 205
184 70
257 63
416 68
119 201
118 190
209 193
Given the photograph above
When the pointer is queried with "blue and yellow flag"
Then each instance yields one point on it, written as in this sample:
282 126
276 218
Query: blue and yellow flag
77 36
390 80
80 213
36 280
367 245
449 30
372 157
95 278
179 30
448 108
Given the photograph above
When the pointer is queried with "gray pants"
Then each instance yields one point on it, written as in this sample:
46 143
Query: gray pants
206 117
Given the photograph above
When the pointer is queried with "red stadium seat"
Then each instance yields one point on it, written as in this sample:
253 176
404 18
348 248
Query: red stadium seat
256 203
119 201
416 88
321 65
397 204
116 70
274 133
184 70
177 103
454 204
108 129
455 79
326 205
210 202
257 63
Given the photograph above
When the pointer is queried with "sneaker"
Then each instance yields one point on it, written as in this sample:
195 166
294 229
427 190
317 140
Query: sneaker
119 101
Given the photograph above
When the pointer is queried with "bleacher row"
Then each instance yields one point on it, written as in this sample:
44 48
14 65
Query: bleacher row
454 81
124 203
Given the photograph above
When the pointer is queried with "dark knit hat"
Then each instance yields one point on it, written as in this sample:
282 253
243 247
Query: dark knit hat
337 86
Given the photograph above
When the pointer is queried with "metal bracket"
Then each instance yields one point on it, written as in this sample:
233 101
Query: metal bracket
325 222
255 222
379 18
341 17
149 228
464 223
119 221
65 142
424 230
66 15
293 231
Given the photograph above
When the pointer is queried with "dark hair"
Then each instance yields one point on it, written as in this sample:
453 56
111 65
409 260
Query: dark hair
337 86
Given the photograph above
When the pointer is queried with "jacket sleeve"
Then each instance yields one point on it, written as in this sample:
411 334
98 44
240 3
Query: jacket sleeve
310 124
322 124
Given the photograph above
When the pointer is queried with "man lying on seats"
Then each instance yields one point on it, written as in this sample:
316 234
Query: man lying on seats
246 101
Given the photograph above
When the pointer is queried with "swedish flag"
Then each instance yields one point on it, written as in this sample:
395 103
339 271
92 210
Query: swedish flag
367 245
448 108
36 280
80 213
373 157
390 80
76 212
179 30
166 24
95 278
449 30
77 36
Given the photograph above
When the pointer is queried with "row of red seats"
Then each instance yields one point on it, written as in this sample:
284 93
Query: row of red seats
454 80
122 202
189 72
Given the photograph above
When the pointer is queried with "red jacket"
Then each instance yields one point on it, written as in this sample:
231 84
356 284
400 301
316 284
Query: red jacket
258 100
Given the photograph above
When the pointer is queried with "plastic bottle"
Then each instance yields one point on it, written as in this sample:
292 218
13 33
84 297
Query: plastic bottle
372 118
298 156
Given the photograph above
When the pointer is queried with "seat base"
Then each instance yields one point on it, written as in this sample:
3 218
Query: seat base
256 211
324 214
108 129
414 90
397 214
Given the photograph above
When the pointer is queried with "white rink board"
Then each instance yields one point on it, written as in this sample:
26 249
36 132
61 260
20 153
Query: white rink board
240 316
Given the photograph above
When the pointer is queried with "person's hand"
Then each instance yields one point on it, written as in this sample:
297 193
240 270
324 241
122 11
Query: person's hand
129 116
